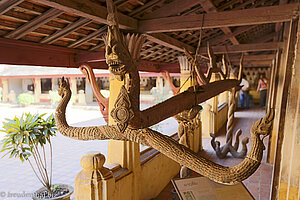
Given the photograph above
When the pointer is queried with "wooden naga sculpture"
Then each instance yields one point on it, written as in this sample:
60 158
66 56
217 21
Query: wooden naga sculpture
131 121
101 100
221 152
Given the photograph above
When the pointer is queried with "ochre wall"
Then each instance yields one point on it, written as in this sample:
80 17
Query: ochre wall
156 174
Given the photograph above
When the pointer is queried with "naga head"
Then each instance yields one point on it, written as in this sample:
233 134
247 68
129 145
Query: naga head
264 125
63 87
117 55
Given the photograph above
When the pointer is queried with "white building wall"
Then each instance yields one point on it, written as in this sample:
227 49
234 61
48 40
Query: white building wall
15 85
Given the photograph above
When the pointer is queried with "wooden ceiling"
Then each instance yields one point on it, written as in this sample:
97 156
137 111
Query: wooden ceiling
73 30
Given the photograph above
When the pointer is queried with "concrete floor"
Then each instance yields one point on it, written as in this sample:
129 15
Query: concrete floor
259 184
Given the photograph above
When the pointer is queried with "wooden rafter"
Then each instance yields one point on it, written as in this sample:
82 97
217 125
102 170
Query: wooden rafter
173 8
236 32
255 47
254 63
170 42
34 24
208 6
90 10
67 30
271 14
102 30
6 5
170 9
27 53
143 8
248 58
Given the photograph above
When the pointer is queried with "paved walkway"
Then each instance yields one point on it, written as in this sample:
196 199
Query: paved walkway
259 183
18 178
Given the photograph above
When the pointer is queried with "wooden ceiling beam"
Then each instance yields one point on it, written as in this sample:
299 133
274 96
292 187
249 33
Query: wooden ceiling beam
236 32
248 58
255 47
67 30
262 15
90 10
34 24
143 8
170 42
173 8
100 57
94 34
255 63
16 52
6 5
208 6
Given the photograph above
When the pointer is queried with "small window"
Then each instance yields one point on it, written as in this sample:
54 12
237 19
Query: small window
46 85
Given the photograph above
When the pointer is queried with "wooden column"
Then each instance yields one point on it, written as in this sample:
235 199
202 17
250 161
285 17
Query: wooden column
207 117
185 82
289 176
214 102
272 102
286 123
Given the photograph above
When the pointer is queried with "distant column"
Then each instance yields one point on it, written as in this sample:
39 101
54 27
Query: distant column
88 91
5 90
37 89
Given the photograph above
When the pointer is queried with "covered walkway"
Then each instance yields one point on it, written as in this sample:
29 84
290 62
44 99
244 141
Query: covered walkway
259 183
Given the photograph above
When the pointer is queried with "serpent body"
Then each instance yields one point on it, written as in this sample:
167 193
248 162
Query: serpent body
168 146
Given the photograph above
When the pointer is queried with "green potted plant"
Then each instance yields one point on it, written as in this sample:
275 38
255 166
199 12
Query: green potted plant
25 99
27 138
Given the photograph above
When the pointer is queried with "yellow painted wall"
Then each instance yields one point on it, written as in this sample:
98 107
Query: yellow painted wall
156 174
123 188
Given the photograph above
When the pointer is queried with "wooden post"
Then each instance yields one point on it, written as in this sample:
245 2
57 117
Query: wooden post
271 104
207 119
286 124
186 81
214 102
289 176
94 182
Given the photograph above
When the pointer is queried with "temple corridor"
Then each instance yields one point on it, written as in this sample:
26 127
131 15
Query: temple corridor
259 183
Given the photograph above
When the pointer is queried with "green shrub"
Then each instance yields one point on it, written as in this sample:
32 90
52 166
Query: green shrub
26 99
54 96
26 139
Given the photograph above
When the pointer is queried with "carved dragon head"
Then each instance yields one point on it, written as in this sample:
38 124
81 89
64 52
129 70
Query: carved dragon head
264 125
64 87
117 55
